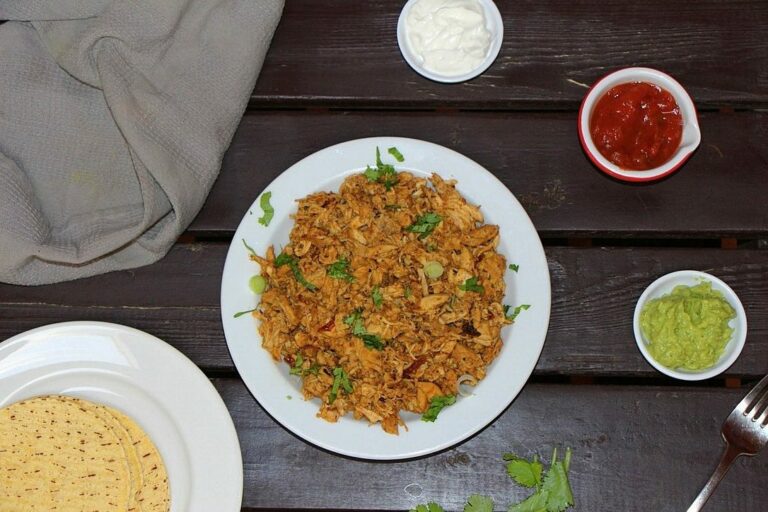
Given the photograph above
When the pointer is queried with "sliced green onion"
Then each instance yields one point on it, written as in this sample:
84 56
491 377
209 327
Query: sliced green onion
258 284
433 269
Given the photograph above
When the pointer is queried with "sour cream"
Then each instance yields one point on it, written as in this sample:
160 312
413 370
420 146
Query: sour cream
449 37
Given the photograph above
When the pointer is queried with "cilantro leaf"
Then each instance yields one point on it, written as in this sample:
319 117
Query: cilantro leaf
478 503
241 313
397 154
514 267
524 472
355 321
340 380
557 487
471 285
372 341
437 404
425 225
383 173
407 292
536 502
429 507
269 212
339 269
297 369
511 316
377 297
293 264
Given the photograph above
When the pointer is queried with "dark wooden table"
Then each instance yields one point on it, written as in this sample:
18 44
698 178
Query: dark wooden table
642 442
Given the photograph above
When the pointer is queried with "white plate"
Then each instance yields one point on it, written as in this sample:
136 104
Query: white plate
152 382
270 382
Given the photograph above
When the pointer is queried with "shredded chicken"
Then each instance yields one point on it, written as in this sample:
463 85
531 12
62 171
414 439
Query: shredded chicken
400 337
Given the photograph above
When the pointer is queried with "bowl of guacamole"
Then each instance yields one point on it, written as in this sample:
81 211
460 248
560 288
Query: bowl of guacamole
690 325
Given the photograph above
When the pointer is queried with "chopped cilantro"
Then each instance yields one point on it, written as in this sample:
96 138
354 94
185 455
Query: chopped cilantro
383 173
397 154
297 369
377 297
425 225
429 507
407 292
355 321
511 316
269 212
478 503
241 313
436 405
250 249
340 270
340 380
471 285
514 267
293 263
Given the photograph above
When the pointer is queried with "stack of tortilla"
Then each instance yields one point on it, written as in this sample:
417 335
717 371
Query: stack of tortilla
68 454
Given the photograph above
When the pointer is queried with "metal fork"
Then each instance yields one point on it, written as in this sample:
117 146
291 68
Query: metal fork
744 432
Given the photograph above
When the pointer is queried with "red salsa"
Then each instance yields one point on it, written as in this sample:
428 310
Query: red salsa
637 126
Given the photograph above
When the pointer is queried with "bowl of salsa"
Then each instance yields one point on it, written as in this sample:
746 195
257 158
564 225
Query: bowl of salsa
638 124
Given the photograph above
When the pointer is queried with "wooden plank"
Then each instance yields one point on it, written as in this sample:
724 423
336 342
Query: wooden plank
594 292
635 448
720 192
340 53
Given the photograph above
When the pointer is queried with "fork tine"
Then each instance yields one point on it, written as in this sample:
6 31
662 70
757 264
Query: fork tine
758 406
746 404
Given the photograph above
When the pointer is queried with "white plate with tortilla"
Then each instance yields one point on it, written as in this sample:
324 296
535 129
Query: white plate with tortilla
280 394
148 380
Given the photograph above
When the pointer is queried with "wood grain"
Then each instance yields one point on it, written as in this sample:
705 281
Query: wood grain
337 53
719 192
594 292
635 449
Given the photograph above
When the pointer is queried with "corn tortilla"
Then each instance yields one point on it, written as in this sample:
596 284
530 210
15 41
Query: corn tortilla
68 454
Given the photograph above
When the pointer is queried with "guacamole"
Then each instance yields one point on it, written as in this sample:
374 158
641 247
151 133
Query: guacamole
688 328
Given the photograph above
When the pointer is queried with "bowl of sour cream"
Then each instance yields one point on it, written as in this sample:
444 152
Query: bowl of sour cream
450 41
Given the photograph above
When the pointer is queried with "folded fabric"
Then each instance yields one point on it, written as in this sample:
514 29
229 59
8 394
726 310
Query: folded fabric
114 116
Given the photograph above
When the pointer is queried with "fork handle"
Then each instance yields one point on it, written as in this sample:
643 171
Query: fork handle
729 455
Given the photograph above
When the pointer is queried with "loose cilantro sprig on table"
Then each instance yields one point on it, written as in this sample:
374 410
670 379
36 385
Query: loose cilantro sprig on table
429 507
383 173
553 489
339 269
511 316
340 380
436 405
269 212
293 264
425 225
471 285
355 321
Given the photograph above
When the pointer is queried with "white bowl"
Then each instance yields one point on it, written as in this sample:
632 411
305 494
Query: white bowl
494 25
691 132
664 285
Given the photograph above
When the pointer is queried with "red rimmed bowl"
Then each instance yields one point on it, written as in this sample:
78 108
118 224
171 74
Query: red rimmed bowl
691 135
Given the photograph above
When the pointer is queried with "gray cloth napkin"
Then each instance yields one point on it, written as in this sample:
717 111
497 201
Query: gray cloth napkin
114 116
